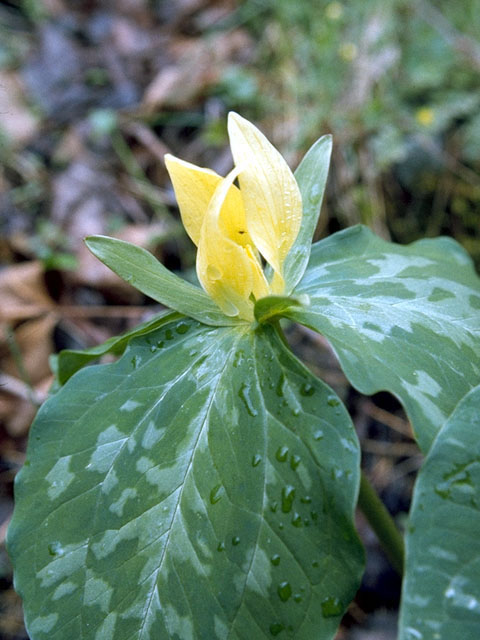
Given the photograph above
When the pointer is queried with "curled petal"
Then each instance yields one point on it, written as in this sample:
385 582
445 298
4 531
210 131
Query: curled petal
228 271
194 188
270 193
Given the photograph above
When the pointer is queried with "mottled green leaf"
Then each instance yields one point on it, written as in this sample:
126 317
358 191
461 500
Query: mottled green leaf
202 486
69 361
405 319
441 591
311 175
143 271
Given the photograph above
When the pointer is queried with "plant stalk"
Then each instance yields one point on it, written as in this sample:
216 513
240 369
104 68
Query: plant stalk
382 524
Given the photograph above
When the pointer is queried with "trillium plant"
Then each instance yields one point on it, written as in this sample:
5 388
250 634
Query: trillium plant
203 485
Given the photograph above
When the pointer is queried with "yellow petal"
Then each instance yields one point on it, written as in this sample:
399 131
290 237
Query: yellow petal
194 187
228 271
270 193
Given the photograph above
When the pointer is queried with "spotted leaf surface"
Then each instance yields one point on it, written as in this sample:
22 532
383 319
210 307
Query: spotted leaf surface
441 593
203 486
405 319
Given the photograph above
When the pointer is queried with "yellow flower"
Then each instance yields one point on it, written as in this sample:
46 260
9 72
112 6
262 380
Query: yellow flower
425 116
233 227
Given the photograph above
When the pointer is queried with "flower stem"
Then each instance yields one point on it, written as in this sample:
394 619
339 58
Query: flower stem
382 524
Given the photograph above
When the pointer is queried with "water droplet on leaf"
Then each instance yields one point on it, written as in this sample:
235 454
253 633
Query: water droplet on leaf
333 401
256 460
297 520
216 494
275 560
282 454
288 496
235 541
294 462
307 389
182 328
331 606
276 628
284 591
244 394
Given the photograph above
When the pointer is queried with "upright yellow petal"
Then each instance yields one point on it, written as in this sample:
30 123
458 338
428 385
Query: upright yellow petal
228 271
270 193
194 188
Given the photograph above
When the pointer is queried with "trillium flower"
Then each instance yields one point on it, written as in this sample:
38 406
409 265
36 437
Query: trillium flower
234 227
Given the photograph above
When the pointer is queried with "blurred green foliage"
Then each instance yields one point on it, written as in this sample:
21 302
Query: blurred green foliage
397 83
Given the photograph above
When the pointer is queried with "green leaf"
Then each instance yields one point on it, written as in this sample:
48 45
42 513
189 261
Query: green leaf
69 361
203 486
404 319
311 175
143 271
441 591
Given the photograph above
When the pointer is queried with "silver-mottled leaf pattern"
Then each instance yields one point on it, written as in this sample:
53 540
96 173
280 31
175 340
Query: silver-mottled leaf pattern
404 319
203 486
441 591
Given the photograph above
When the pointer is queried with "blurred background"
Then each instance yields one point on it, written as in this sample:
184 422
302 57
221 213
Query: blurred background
93 94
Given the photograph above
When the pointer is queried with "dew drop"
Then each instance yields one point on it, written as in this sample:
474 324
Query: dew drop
297 520
275 560
182 328
169 334
276 628
288 496
306 500
160 344
136 360
244 395
235 541
284 591
238 358
279 387
282 454
294 462
256 460
55 549
216 493
213 272
297 597
333 401
221 546
331 606
307 389
153 348
315 564
318 435
274 506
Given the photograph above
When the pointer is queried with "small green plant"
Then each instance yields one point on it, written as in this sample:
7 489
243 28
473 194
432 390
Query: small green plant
203 486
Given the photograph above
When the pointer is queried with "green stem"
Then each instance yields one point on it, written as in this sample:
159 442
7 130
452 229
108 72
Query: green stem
382 524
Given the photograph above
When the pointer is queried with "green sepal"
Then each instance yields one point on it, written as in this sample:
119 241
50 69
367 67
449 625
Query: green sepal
69 361
272 307
143 271
311 176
